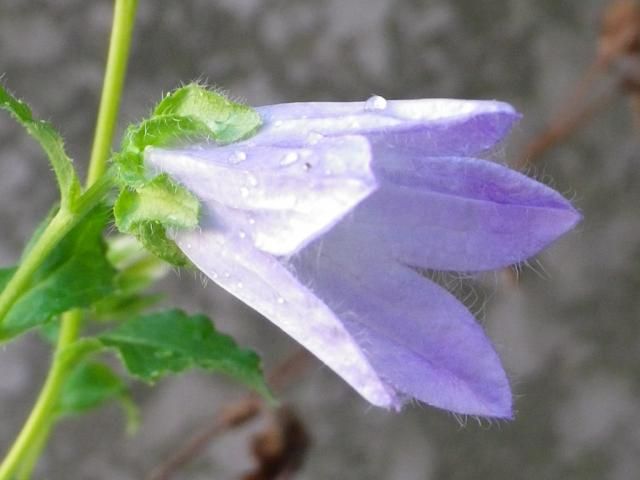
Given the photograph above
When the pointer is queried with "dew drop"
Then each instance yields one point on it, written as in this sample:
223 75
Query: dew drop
376 102
280 300
314 137
226 275
242 234
252 180
277 123
237 157
188 246
239 285
244 191
289 158
252 221
214 275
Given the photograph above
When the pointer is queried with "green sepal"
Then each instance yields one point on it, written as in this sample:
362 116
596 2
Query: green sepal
149 205
158 344
74 275
160 200
228 121
148 211
160 131
52 144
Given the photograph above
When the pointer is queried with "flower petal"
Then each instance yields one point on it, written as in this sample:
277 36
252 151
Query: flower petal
285 197
262 282
417 336
459 214
434 126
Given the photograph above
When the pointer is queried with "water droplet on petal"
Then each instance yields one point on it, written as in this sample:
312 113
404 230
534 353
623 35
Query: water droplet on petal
376 102
214 275
242 234
226 275
252 221
289 158
244 191
237 157
188 246
280 300
277 123
314 137
252 180
239 285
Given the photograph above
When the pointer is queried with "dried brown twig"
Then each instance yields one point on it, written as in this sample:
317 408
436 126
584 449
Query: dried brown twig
232 416
617 54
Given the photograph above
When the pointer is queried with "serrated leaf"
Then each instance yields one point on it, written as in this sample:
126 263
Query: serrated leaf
75 274
228 121
155 345
90 386
50 141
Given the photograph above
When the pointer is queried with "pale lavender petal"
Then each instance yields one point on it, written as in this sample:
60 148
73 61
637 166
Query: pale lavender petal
262 282
417 336
434 126
319 220
283 197
460 214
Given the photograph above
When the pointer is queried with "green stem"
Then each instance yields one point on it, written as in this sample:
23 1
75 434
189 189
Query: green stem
39 420
21 457
60 224
123 20
63 221
30 460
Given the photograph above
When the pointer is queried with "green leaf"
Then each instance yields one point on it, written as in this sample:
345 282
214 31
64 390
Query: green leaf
75 274
155 345
5 276
50 141
137 270
228 121
90 386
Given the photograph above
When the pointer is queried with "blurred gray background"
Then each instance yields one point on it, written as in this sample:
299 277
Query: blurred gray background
569 336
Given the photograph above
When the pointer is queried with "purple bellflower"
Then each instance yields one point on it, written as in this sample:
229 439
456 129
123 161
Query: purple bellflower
322 221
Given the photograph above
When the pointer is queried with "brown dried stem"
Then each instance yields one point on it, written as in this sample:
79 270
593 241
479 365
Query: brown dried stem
232 416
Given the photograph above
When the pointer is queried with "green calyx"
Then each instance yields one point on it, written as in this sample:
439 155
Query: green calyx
149 205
